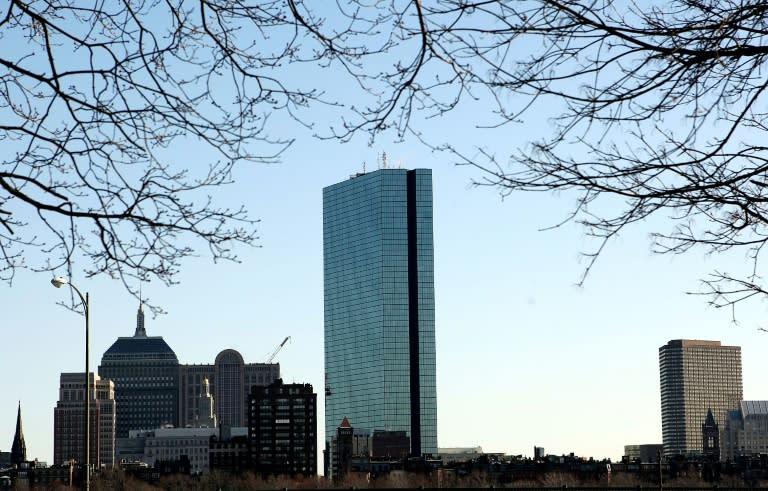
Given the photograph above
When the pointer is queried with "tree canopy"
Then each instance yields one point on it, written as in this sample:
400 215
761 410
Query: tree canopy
663 111
662 108
93 98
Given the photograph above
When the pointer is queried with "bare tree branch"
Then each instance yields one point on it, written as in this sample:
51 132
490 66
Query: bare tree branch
663 110
94 96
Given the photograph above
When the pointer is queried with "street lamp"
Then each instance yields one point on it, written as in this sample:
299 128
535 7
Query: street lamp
58 282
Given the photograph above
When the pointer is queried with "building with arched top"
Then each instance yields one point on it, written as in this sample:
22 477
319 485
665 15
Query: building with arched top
152 390
145 371
230 380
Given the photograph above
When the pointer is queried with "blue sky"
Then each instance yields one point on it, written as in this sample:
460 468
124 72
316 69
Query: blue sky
524 357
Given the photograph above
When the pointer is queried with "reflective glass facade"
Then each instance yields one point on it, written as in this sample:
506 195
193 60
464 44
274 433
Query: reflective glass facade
380 305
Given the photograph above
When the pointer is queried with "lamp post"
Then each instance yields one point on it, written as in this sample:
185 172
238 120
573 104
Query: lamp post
58 282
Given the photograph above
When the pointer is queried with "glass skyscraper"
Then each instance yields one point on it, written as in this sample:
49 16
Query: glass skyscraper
380 305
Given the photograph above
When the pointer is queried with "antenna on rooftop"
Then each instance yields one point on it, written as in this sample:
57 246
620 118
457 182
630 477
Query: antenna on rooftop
383 162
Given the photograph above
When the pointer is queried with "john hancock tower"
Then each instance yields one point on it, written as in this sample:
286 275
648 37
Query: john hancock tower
380 305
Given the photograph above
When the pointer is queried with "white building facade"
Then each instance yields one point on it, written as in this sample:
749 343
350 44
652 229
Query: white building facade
150 446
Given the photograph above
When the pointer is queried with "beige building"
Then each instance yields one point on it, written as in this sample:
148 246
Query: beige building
230 380
69 424
696 376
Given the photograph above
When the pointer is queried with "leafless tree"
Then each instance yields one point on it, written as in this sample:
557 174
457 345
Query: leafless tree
95 98
659 108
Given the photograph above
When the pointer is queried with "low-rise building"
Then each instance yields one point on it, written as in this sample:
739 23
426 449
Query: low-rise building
347 445
170 444
644 453
459 454
746 431
229 453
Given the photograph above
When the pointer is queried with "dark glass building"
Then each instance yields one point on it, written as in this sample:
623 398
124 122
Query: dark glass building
380 305
282 429
145 371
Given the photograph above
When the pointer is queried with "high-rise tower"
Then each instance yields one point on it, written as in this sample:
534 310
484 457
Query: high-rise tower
145 371
696 376
69 424
380 305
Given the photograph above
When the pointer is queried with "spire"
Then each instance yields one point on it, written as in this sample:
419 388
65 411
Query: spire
19 447
710 421
140 331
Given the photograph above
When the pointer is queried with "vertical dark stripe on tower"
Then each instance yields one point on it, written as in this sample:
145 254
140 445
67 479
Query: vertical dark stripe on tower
413 316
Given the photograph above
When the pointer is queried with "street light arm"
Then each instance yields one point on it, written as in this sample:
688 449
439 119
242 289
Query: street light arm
58 282
83 299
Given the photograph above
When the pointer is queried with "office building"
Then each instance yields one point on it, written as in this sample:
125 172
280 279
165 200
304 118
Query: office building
69 420
282 429
153 390
145 371
695 377
380 306
230 380
746 431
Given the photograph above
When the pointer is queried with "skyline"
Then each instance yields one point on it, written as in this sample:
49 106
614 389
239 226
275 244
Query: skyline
543 405
536 359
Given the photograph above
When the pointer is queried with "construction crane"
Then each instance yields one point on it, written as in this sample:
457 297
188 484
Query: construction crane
277 350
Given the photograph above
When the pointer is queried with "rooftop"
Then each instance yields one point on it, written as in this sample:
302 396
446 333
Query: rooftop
137 346
754 407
